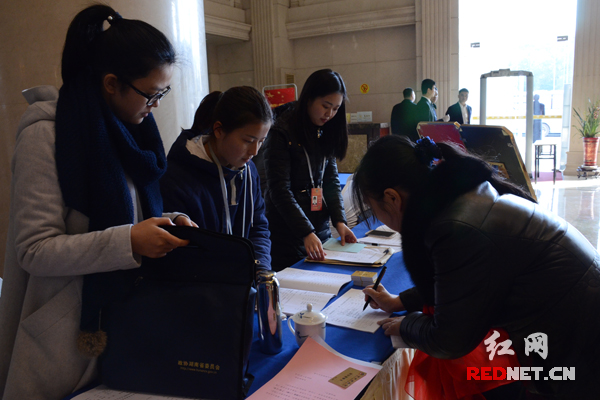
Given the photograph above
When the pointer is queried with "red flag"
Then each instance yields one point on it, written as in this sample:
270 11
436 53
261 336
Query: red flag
277 97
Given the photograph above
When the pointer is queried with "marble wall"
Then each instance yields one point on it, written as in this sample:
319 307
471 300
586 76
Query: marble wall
33 34
230 65
349 36
384 59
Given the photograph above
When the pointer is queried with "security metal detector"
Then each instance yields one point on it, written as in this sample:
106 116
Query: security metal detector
529 114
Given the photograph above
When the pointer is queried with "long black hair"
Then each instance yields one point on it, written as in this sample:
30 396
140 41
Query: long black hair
334 139
130 49
396 162
234 108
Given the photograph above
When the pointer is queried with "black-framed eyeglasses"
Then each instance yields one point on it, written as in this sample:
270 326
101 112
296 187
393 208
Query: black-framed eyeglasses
151 98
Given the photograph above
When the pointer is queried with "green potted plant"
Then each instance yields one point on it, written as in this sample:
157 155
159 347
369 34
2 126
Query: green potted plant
589 127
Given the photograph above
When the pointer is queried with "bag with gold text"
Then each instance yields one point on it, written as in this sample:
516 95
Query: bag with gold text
186 327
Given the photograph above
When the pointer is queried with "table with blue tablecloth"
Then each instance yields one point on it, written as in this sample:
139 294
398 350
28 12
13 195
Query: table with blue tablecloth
371 347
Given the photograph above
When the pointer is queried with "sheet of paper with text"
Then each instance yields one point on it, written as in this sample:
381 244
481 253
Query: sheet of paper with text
314 373
347 311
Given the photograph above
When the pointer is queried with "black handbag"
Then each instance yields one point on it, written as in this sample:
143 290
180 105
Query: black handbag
185 329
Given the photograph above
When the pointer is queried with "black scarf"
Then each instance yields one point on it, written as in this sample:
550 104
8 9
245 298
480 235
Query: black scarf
94 153
447 181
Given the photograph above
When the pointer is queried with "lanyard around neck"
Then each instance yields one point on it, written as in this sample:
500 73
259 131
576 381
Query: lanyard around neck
223 188
310 169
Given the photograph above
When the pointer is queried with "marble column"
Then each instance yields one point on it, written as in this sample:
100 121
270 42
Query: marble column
262 12
33 34
437 48
586 75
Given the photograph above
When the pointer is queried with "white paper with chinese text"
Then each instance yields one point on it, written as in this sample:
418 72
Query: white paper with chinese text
293 301
307 375
347 311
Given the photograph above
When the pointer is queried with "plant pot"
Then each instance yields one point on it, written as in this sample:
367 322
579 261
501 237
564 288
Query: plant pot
590 151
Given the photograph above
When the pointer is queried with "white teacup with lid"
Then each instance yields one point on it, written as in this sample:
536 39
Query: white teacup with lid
307 323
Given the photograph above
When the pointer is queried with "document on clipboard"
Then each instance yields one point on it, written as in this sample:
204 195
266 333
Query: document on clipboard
370 256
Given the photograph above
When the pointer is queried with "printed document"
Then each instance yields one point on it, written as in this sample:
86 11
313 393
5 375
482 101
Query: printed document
314 281
312 372
369 256
293 301
347 311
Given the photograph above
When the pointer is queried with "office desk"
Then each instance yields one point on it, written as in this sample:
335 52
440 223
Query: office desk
352 343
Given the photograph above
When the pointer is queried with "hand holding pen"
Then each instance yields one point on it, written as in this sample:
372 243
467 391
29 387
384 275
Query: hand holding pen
377 282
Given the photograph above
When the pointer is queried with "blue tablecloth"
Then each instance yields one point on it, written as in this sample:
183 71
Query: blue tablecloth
352 343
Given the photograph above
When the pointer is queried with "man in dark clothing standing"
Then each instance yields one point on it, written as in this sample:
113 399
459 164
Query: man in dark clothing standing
425 108
403 116
460 112
538 109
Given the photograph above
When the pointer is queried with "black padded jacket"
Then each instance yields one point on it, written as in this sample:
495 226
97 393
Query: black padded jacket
489 261
288 199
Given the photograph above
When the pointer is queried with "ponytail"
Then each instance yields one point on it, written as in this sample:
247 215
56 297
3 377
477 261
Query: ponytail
234 108
130 49
203 119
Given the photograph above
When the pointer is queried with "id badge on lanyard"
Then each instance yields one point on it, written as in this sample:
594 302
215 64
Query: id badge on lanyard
316 193
316 198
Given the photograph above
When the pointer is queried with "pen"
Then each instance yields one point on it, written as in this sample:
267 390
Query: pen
375 286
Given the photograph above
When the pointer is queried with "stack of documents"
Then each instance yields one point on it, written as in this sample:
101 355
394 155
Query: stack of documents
298 287
357 254
318 372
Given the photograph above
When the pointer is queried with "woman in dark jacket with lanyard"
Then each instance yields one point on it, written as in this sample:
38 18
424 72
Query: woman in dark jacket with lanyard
484 258
210 174
303 188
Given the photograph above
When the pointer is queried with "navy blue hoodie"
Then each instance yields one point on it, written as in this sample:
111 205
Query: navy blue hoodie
191 186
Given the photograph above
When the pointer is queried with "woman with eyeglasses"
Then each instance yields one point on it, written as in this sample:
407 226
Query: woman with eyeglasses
211 176
303 188
85 202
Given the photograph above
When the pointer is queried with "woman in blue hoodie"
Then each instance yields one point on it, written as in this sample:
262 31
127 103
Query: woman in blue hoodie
210 175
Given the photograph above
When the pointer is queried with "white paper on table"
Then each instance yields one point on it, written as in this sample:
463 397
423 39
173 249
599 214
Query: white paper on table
307 375
103 393
314 281
368 256
293 301
394 241
347 311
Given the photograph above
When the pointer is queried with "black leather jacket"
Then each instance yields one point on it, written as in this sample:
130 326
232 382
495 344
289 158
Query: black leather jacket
288 192
504 262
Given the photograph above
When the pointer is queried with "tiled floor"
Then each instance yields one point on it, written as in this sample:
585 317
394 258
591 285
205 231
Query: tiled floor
576 200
